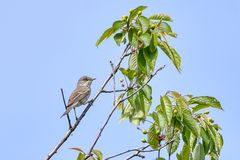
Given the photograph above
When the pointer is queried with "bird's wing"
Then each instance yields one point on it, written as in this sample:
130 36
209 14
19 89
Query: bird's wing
78 94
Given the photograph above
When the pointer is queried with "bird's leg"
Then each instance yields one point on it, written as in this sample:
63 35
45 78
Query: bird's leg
75 113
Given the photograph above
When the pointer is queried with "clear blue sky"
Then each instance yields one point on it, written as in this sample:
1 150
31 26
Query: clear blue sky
46 45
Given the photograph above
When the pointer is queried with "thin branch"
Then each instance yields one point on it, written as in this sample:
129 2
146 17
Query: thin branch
114 83
138 153
122 153
71 130
120 90
152 150
115 107
69 121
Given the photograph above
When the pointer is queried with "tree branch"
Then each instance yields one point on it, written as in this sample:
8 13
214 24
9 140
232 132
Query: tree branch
122 153
70 130
120 90
152 150
115 107
69 121
114 83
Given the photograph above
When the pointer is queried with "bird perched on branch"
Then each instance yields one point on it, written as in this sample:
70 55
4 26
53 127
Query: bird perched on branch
80 94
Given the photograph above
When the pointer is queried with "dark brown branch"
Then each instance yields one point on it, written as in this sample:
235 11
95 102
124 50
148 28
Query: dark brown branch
122 153
138 153
115 107
120 90
69 121
70 131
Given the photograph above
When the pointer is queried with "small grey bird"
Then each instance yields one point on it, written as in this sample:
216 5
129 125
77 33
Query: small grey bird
80 94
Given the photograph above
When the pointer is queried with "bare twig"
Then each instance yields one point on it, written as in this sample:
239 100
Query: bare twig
122 153
152 150
138 153
69 121
70 131
114 83
120 90
115 107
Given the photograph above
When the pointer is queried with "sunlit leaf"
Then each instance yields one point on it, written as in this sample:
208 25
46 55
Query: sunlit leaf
204 102
167 108
81 156
132 62
171 53
106 34
135 12
118 25
153 137
191 124
98 154
166 28
129 73
132 37
144 23
146 39
199 152
118 38
118 99
151 57
160 17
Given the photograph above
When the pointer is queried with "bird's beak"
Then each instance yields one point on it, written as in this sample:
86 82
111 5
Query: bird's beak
93 79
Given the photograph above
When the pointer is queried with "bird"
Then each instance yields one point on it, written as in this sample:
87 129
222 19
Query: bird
80 94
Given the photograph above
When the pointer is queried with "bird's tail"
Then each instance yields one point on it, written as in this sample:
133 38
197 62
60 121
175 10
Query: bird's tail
67 111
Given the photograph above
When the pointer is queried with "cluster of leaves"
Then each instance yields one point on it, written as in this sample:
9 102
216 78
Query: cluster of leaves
146 35
179 117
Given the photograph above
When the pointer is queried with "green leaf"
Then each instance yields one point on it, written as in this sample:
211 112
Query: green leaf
118 38
118 99
129 73
186 135
191 123
162 119
146 39
134 13
150 57
118 25
199 152
144 23
175 144
204 102
106 34
98 154
81 156
126 112
160 17
167 108
132 37
193 141
161 158
132 62
185 153
166 28
171 53
153 137
141 62
147 90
